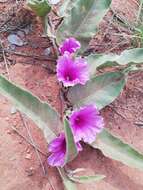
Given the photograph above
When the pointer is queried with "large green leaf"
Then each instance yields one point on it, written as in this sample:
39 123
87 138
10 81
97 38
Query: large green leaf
116 149
83 19
71 151
40 112
69 185
128 56
101 90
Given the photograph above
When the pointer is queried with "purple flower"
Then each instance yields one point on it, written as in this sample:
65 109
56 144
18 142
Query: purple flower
72 71
58 149
69 45
86 123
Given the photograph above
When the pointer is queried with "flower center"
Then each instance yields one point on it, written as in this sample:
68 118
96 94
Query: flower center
69 77
77 120
80 122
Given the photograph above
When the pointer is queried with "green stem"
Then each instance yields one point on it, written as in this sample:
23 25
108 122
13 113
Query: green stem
139 11
49 32
44 21
68 184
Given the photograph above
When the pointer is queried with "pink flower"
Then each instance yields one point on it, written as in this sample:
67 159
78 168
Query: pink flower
58 149
72 71
70 45
86 123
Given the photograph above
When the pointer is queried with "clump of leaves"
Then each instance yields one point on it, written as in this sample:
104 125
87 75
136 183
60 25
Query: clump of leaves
100 90
76 14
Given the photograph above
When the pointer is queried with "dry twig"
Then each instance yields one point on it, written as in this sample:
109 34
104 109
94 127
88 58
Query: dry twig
28 141
32 140
39 57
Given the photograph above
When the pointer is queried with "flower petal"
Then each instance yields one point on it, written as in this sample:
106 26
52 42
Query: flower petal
56 144
58 151
72 72
70 45
56 159
86 123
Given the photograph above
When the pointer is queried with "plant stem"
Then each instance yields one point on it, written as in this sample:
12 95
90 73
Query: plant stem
28 141
32 141
44 21
53 37
49 31
139 11
66 181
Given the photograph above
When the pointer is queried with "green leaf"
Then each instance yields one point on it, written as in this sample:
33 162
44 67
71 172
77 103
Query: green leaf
87 179
69 185
114 148
83 20
101 90
139 12
66 7
130 56
71 151
48 32
98 60
41 8
134 56
45 117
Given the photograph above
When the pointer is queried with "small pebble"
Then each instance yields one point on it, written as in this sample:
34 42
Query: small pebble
34 45
15 39
13 110
12 158
28 151
30 171
47 52
12 47
21 34
15 123
8 132
25 43
7 118
28 156
27 29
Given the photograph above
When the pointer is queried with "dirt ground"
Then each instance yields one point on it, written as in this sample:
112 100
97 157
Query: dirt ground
20 167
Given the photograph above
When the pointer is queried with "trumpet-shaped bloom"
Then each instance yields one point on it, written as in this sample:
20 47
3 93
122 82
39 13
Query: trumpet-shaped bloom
58 149
86 123
69 45
72 71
